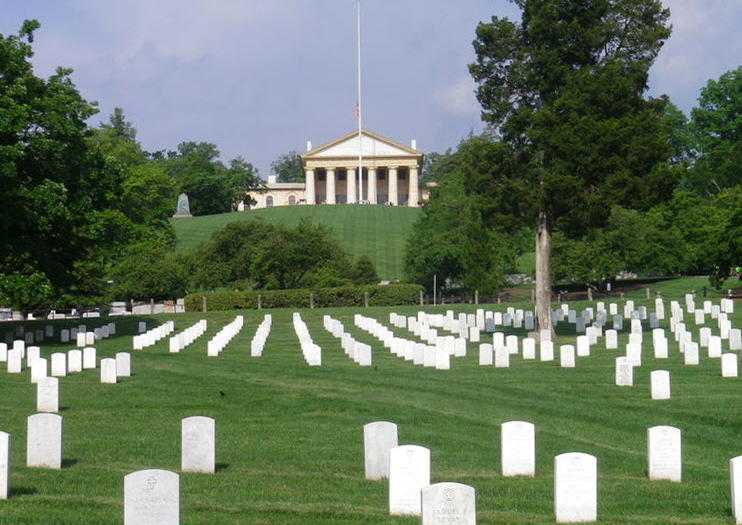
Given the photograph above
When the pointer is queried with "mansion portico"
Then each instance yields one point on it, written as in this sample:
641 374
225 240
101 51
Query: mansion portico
390 175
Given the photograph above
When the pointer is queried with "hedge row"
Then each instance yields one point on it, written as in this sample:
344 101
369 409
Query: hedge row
388 295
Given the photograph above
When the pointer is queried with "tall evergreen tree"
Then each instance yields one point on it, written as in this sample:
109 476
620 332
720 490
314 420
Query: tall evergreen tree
564 87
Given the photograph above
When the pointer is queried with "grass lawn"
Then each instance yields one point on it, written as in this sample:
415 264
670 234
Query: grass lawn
289 437
380 232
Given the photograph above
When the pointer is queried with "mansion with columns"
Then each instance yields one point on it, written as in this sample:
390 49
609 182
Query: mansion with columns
389 175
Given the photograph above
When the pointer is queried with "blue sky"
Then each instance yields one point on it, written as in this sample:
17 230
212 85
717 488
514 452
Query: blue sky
261 77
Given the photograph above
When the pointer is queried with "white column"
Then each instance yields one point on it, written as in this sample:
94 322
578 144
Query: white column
310 196
392 181
372 185
350 186
413 195
330 186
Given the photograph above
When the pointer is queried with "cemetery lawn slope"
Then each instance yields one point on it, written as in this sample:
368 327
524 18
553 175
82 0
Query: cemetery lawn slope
290 437
380 232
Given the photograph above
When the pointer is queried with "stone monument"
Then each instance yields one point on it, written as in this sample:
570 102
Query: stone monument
184 209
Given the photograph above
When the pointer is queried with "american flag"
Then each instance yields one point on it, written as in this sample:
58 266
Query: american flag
357 112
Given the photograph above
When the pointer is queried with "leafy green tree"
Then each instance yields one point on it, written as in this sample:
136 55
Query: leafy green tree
117 139
210 185
717 126
55 184
564 87
25 291
364 271
288 168
148 270
682 140
452 239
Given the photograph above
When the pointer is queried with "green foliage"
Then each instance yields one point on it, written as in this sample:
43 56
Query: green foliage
364 271
716 124
25 291
452 240
387 295
288 168
262 255
682 140
378 232
211 186
147 270
564 88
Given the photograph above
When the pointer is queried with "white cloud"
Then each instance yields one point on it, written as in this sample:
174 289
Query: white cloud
458 98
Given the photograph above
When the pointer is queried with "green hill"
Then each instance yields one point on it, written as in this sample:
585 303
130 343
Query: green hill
379 232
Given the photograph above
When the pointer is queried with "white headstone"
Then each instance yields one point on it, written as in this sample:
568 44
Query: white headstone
379 437
729 365
44 441
123 364
518 448
714 346
64 336
529 348
485 354
660 348
575 488
583 345
4 465
664 453
59 364
624 372
74 361
3 352
690 355
15 361
409 472
39 369
88 358
547 350
611 339
80 339
198 445
108 370
452 503
660 384
152 497
502 357
47 395
735 475
567 356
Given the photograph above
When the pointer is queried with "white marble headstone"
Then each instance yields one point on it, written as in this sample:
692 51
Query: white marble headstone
44 441
546 350
123 364
47 395
450 503
729 365
108 370
409 472
575 488
660 384
518 448
735 475
15 361
152 497
664 453
611 339
59 364
485 354
529 348
624 372
379 437
88 357
567 356
198 445
4 465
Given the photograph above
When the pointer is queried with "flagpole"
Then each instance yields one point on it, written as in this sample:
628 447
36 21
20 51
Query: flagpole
360 112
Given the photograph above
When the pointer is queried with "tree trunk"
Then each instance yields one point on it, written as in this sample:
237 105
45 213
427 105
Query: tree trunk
543 279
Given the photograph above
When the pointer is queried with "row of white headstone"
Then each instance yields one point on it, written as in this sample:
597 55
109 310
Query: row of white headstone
222 338
575 480
181 340
356 350
312 353
151 337
257 344
44 441
437 355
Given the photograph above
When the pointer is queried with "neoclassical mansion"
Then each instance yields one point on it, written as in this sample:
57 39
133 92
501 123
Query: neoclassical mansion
390 175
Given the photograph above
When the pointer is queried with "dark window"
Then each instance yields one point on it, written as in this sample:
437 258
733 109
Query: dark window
382 175
269 201
292 200
321 176
341 175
